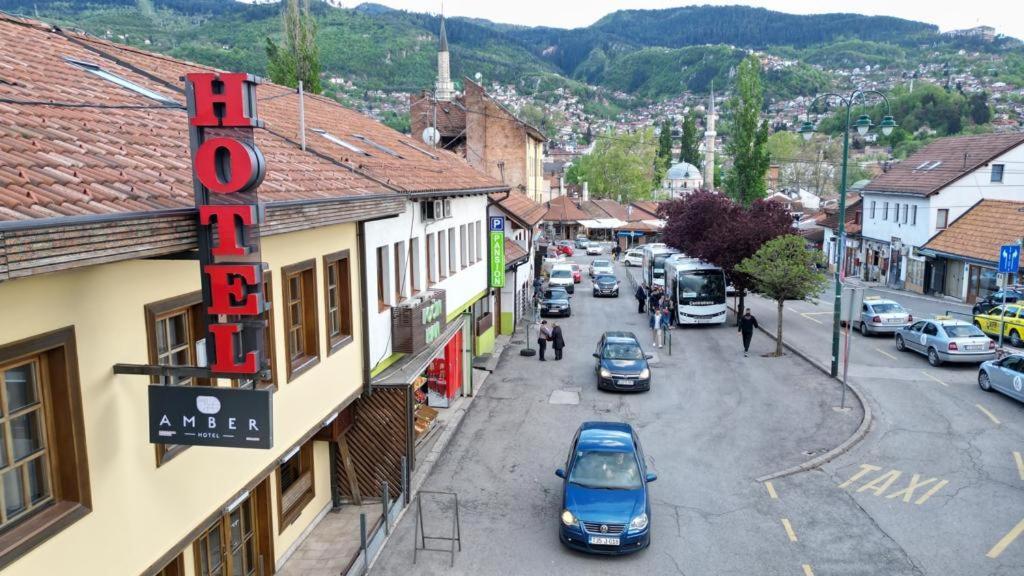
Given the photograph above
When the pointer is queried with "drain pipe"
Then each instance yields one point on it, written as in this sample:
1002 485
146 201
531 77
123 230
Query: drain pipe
364 319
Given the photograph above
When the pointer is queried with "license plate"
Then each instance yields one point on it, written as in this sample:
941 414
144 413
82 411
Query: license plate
623 382
894 321
604 540
974 347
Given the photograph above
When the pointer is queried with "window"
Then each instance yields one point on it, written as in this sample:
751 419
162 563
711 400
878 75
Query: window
294 484
400 274
942 218
383 278
43 466
997 173
300 317
269 340
913 215
442 254
380 147
431 259
463 255
482 314
478 234
414 265
472 243
347 145
231 545
175 567
122 82
885 211
872 209
452 265
338 300
906 212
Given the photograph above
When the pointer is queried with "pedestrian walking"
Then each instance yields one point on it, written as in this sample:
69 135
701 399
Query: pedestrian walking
543 335
557 341
538 284
658 327
746 328
641 299
654 299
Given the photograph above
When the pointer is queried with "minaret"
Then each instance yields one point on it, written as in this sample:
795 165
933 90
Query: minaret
709 146
443 89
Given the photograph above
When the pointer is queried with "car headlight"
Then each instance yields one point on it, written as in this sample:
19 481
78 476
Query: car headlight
569 520
638 523
645 373
605 373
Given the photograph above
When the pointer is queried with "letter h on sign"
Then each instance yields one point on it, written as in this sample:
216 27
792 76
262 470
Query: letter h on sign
228 168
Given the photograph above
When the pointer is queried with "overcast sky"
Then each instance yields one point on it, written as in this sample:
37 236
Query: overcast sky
1007 16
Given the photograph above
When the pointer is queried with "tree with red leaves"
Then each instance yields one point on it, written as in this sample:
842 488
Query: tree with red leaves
716 229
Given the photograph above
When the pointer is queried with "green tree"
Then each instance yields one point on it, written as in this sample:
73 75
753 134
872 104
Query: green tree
784 269
689 146
621 165
980 112
299 57
749 138
664 154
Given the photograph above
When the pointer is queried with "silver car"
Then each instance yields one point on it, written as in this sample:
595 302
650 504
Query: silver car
599 267
946 340
1006 376
879 316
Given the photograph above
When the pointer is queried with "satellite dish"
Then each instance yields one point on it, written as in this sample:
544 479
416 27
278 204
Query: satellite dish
478 76
431 135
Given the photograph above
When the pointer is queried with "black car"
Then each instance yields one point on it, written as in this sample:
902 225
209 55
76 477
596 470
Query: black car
606 285
621 363
555 302
996 299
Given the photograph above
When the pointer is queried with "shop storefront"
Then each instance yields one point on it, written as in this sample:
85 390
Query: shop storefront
981 282
876 260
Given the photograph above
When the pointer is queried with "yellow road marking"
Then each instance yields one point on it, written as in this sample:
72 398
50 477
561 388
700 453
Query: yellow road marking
1006 540
807 315
789 529
1020 464
926 373
929 493
884 353
807 570
771 490
864 469
990 415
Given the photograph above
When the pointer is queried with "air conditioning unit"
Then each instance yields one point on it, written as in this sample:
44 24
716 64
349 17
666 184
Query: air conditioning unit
447 208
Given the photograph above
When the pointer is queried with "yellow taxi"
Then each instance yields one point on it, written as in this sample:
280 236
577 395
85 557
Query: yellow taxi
1009 316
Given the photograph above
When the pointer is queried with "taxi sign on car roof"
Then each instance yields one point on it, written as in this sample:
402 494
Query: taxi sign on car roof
943 317
872 297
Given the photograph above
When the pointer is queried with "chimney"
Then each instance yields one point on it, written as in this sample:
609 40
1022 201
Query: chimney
561 185
585 193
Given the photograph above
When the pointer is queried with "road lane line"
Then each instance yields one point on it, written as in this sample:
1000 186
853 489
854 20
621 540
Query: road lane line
990 415
807 570
1006 540
926 373
789 529
884 353
771 490
1020 464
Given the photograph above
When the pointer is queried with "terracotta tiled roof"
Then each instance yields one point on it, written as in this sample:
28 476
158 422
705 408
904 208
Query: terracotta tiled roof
451 114
942 162
521 207
831 219
513 251
639 226
563 209
648 206
980 232
605 208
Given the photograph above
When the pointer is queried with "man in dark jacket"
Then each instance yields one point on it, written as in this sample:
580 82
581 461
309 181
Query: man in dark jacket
746 327
557 342
641 298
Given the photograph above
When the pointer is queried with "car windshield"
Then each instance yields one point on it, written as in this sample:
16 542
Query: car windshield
605 279
887 308
962 331
561 274
601 263
622 351
606 470
701 285
556 295
575 267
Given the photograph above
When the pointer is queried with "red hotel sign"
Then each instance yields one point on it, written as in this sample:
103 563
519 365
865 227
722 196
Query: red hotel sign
228 169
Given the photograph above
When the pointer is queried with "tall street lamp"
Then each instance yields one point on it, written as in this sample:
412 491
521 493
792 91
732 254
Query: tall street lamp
863 125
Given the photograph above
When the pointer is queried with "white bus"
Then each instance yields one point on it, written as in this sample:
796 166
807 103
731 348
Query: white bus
696 290
653 265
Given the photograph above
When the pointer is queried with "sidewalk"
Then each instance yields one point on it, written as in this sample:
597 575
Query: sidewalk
882 288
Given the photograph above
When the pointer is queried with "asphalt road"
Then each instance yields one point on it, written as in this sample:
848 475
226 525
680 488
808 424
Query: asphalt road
712 423
934 431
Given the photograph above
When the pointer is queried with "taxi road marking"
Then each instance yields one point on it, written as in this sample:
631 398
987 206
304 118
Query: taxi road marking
807 570
1020 464
789 529
771 488
1006 540
883 482
884 353
926 373
990 415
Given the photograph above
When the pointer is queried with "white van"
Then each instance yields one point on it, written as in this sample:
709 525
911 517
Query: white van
561 277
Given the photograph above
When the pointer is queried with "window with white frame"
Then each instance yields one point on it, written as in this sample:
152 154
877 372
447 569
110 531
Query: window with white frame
997 173
463 255
873 209
414 265
479 240
452 256
942 218
442 254
913 215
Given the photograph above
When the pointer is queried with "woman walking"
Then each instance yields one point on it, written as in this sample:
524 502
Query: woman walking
557 341
641 298
658 326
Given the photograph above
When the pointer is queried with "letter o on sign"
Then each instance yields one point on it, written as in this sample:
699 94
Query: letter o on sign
227 166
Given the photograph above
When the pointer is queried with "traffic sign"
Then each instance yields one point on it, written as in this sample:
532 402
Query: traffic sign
1009 259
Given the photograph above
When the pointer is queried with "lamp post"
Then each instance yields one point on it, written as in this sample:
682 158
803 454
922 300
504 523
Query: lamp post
863 125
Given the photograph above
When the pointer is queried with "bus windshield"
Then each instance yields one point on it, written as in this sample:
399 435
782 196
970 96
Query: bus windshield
701 287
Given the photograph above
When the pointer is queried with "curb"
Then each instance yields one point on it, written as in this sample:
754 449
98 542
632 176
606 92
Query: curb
853 440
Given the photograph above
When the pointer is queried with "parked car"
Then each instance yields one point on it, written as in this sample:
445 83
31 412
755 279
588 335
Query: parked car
598 267
555 302
996 299
606 285
561 277
605 503
621 363
878 316
565 247
1005 375
946 340
1009 317
595 249
633 257
577 273
582 242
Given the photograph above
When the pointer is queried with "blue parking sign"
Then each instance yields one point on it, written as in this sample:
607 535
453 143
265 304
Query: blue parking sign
1009 259
497 224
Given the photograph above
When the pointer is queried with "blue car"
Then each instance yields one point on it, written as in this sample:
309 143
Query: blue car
605 506
621 363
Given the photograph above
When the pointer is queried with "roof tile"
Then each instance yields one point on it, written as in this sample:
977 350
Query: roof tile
975 235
